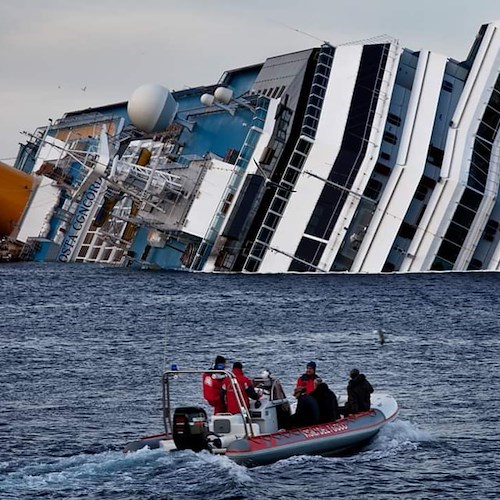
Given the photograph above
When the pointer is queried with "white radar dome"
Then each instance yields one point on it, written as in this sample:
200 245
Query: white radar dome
223 95
207 99
152 108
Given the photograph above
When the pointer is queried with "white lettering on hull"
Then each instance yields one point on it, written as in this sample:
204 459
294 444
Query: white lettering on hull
78 222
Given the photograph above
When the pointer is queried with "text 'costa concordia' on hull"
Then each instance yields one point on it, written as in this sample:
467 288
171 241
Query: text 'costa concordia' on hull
360 158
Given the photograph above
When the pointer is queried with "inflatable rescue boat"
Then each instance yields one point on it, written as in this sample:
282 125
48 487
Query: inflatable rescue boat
256 435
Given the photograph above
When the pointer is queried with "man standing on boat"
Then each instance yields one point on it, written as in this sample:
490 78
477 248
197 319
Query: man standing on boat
358 393
212 386
307 379
246 386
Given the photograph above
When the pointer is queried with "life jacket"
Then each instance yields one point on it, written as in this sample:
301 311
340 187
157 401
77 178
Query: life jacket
244 382
212 388
307 382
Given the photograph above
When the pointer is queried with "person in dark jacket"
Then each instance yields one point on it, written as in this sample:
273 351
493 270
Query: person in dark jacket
327 402
307 379
358 393
307 412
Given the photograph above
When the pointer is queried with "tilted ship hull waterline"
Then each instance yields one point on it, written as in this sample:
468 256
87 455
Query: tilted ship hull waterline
361 158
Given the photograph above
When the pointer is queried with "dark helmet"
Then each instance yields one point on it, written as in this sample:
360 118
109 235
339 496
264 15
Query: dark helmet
220 363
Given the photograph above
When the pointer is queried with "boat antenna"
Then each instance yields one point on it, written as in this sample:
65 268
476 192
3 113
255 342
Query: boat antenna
165 342
165 353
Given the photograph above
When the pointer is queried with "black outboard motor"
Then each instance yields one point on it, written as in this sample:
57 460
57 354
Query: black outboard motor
190 428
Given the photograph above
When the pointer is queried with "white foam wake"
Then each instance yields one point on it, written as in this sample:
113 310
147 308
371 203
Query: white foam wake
78 469
85 469
394 437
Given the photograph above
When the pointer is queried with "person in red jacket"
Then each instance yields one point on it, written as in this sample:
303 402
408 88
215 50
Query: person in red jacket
307 379
246 386
212 386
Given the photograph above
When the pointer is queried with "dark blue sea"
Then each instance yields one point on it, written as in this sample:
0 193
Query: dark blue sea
82 349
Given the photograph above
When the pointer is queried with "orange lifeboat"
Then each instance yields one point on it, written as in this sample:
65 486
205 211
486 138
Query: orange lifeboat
15 189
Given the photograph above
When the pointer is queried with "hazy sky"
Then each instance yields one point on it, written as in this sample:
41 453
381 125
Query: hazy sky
62 55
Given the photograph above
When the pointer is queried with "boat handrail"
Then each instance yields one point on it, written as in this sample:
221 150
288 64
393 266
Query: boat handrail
167 414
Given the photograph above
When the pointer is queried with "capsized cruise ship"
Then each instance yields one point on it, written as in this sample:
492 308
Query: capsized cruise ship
362 158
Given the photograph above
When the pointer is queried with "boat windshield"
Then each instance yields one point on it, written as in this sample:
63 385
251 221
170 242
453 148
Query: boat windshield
270 386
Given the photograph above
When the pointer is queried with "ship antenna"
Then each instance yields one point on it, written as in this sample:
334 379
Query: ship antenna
303 33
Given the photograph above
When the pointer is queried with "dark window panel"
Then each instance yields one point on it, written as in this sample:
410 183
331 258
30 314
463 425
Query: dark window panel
309 251
394 119
435 155
390 138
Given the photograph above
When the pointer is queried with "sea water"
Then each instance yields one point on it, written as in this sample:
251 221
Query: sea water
82 349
